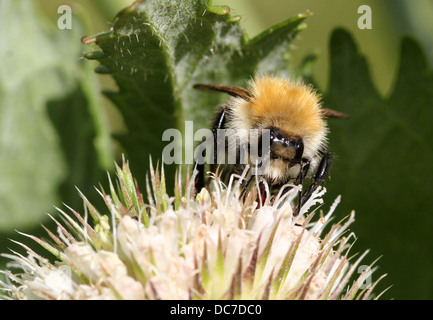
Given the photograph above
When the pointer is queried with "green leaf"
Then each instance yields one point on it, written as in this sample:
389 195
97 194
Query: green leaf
157 50
384 162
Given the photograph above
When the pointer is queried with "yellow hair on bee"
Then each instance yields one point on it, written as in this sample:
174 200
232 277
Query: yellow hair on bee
292 106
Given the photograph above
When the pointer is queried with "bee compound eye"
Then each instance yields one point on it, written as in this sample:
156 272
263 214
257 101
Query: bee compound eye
272 135
276 136
296 144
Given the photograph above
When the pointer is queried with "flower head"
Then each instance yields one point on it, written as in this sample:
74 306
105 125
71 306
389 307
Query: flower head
206 246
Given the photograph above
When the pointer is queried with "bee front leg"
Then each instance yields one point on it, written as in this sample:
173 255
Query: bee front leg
299 181
244 186
318 178
219 123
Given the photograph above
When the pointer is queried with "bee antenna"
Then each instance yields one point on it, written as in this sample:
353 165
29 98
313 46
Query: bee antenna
329 113
231 90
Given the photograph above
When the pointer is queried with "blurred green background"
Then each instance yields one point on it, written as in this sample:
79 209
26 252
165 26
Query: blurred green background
392 19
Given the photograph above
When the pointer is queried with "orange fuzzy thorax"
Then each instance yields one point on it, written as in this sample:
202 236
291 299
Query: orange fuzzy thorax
284 104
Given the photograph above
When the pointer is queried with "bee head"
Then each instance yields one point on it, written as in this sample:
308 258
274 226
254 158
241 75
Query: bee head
286 146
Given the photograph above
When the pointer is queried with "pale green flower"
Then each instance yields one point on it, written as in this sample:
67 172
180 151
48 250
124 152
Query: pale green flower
209 246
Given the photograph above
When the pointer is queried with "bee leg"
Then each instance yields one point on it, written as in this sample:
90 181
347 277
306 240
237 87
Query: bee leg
318 178
300 181
244 186
219 123
200 178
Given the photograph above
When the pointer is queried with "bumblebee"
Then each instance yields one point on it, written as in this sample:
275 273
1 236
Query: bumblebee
291 115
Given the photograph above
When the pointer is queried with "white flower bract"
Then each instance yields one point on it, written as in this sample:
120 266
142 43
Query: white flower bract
206 246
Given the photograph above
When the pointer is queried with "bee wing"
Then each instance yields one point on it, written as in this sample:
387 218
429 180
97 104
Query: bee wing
329 113
233 91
